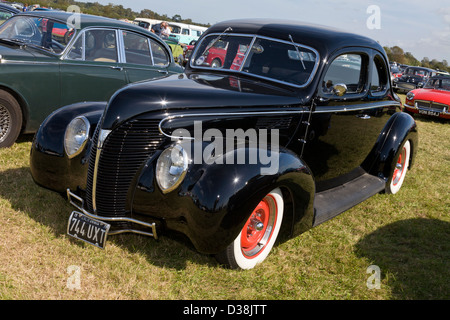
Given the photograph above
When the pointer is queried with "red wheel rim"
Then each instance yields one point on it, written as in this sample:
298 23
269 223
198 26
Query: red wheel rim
399 167
259 227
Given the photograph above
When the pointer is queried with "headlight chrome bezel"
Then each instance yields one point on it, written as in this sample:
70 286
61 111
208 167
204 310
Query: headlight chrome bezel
165 165
72 151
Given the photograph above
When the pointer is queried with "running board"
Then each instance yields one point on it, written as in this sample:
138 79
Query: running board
332 202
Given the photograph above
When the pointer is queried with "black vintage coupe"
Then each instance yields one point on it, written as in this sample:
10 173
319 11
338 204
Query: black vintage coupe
413 78
299 124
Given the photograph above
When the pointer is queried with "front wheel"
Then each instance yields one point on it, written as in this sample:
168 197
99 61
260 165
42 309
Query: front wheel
401 167
10 119
258 235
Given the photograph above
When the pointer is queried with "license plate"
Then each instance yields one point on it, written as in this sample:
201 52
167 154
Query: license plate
429 113
89 230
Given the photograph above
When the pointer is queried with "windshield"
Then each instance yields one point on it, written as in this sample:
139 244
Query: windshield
273 59
439 84
44 33
417 72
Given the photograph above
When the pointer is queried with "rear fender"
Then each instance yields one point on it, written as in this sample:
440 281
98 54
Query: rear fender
402 128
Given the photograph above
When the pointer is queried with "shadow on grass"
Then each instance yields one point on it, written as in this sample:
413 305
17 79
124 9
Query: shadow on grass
413 256
53 210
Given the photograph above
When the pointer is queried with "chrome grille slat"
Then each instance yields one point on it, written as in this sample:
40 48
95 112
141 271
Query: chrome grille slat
124 151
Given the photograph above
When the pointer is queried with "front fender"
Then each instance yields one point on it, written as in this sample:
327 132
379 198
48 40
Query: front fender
214 201
50 166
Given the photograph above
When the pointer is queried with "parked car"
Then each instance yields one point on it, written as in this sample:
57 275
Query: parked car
298 125
432 100
395 73
187 52
412 78
47 63
6 12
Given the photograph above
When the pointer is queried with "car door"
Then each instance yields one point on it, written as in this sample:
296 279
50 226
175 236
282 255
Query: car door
90 71
338 139
143 58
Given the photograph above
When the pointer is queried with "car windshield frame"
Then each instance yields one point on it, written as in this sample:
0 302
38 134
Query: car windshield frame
253 38
38 27
440 84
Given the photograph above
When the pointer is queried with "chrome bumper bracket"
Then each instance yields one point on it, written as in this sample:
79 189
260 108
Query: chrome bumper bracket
78 203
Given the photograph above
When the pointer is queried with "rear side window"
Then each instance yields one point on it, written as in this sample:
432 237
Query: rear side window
348 70
379 76
137 48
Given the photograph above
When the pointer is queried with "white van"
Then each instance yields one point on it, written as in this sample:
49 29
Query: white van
180 32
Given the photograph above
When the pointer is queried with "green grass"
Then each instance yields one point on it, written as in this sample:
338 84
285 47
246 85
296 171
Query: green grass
406 235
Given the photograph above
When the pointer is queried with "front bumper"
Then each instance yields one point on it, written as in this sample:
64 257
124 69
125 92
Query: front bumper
78 203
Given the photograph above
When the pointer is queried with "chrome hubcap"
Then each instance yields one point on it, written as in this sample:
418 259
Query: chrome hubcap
5 122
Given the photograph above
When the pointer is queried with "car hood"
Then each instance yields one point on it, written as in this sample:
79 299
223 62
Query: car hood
15 52
440 96
180 93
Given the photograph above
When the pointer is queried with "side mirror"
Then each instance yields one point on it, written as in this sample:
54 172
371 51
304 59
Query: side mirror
339 89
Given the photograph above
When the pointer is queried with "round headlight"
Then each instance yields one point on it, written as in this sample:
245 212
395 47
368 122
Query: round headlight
171 168
410 95
77 133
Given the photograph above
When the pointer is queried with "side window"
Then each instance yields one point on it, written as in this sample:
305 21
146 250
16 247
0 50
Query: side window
185 32
159 54
137 49
347 69
379 76
76 52
101 46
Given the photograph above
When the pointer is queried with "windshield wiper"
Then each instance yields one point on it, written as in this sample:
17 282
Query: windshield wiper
212 43
16 42
298 52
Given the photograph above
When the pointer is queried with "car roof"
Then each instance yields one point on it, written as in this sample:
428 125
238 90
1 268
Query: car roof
85 20
9 8
322 38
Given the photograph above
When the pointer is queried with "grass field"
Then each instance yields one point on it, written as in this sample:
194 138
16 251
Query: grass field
407 236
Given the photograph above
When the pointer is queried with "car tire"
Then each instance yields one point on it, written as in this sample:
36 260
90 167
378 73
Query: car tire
258 235
400 169
10 119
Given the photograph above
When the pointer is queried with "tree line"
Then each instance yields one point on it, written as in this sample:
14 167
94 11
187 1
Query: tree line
397 54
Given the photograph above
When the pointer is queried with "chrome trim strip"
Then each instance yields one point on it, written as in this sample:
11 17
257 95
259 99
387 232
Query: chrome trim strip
357 107
94 179
152 226
219 114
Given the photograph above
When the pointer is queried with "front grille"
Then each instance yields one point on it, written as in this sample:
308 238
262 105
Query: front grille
429 105
124 151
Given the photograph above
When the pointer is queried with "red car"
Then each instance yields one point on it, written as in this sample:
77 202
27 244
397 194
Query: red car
432 100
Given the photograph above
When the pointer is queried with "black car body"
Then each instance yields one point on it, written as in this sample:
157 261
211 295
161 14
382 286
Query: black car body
314 107
412 78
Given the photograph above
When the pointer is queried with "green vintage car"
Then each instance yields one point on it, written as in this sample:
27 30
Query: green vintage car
50 59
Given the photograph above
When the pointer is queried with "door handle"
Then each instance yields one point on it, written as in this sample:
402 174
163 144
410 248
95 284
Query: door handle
163 71
117 68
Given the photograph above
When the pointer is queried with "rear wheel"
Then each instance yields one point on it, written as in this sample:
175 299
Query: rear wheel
401 167
10 119
258 235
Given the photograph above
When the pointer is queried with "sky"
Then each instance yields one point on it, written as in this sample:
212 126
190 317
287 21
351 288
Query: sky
421 27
